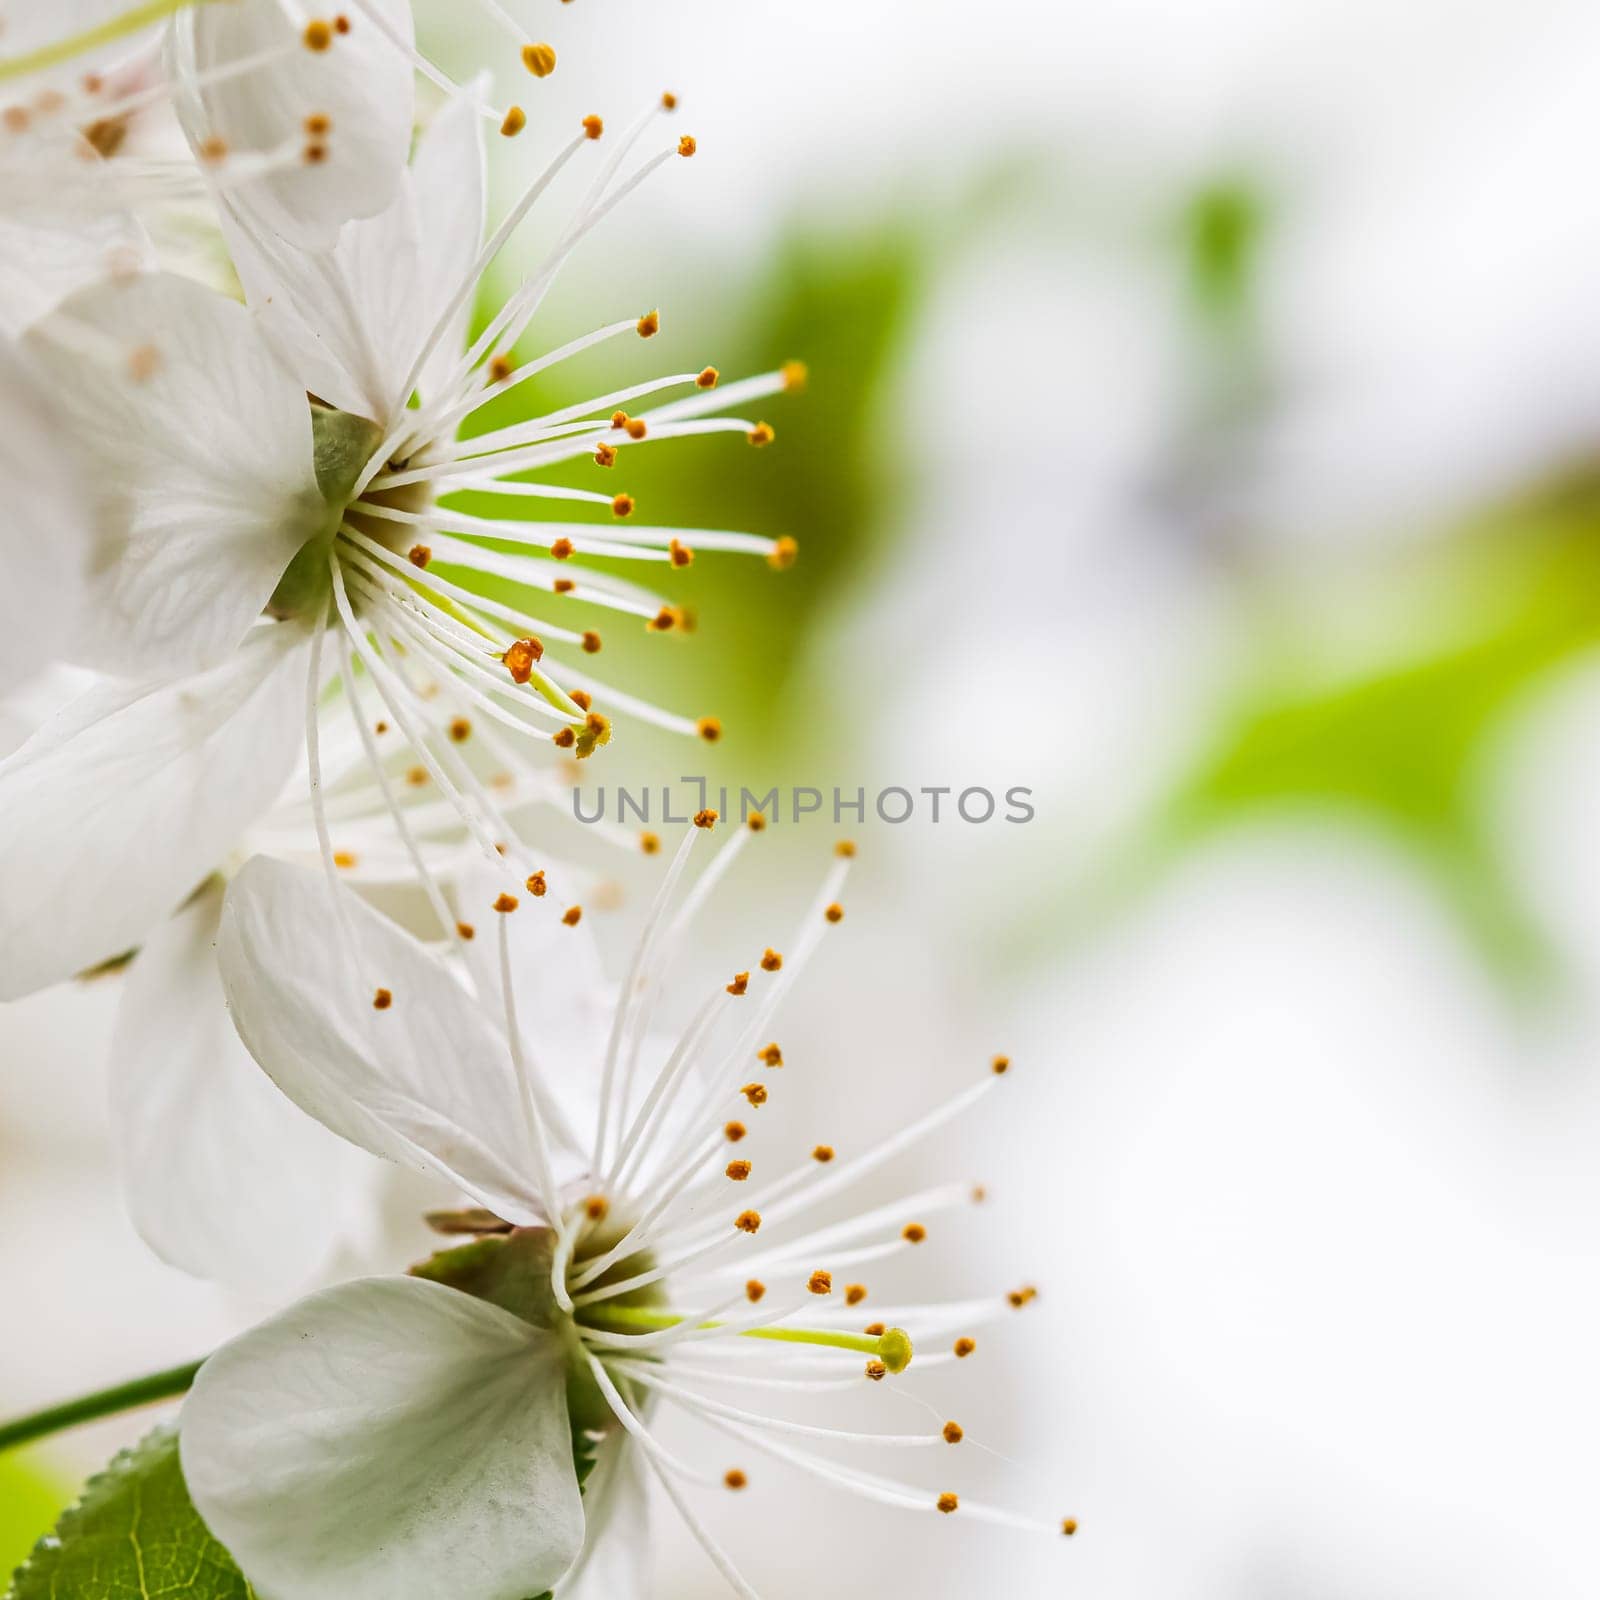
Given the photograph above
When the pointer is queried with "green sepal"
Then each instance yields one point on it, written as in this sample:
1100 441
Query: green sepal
134 1535
342 445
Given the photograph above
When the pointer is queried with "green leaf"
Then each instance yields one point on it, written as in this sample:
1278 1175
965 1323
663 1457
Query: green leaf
135 1535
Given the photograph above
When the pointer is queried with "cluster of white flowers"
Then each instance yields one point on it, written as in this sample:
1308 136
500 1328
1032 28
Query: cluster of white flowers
237 407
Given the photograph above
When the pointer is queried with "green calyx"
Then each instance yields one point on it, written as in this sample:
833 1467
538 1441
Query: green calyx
342 445
512 1270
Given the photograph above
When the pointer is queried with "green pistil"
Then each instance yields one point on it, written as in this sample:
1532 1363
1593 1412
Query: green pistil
892 1348
130 21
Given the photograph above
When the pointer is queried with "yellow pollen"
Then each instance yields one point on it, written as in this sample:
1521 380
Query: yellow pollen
835 912
564 738
591 642
979 1194
516 120
1018 1298
500 368
822 1153
536 886
596 1207
874 1330
794 374
664 621
783 554
622 505
649 324
314 154
317 125
845 850
344 858
755 822
539 59
748 1221
382 999
318 35
380 727
636 428
913 1233
1069 1526
466 931
505 904
771 961
650 843
820 1282
520 657
669 101
772 1055
460 730
877 1371
562 549
686 146
741 982
964 1347
947 1503
1001 1065
762 434
213 150
953 1433
855 1293
563 586
341 23
734 1478
680 553
605 455
582 697
419 555
755 1093
619 419
417 776
593 126
733 1132
709 729
708 378
705 819
572 916
738 1170
754 1290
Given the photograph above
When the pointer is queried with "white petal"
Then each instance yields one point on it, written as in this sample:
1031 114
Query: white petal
48 518
204 478
564 1004
224 1176
616 1561
350 323
62 225
427 1082
362 84
122 804
390 1439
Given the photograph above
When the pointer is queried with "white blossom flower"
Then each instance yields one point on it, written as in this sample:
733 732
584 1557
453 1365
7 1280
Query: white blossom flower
236 525
431 1434
85 147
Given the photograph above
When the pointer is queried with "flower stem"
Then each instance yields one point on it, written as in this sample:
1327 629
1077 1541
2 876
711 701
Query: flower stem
104 1403
130 21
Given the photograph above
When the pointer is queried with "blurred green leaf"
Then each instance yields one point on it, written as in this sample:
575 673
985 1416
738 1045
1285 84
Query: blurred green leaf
1399 736
29 1500
1224 224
